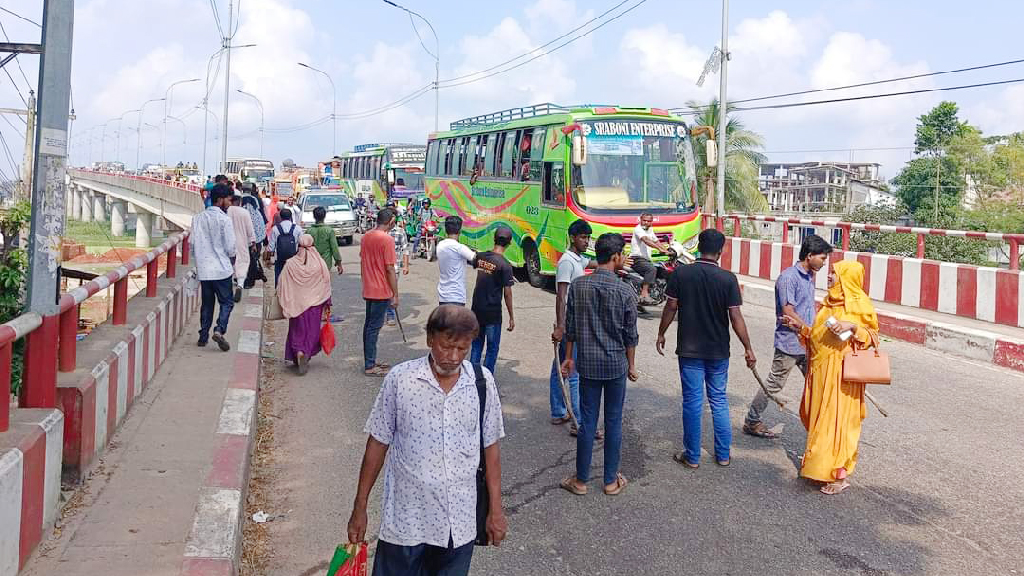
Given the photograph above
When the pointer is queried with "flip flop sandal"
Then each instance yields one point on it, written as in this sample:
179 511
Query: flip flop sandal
377 370
569 485
759 430
837 487
680 457
560 421
620 485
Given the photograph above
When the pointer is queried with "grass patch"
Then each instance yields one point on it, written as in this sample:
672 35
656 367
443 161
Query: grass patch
97 237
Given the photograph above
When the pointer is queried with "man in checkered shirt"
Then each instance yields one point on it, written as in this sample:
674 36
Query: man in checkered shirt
402 252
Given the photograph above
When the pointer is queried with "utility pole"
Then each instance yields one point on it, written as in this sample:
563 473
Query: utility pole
48 213
722 113
24 190
938 164
227 89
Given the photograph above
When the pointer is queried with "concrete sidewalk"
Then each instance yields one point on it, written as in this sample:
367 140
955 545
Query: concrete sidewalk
186 441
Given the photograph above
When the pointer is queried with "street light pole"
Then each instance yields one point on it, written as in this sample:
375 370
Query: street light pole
260 105
103 140
117 151
334 108
227 87
436 55
168 99
722 114
138 129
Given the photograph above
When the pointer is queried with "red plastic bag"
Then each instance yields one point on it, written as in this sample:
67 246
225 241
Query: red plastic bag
349 560
327 340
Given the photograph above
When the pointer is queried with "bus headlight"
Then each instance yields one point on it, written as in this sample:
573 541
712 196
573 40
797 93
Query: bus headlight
691 244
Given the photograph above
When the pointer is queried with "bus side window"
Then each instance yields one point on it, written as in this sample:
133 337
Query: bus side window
478 161
499 153
525 143
466 161
448 146
508 155
489 155
431 168
537 155
554 183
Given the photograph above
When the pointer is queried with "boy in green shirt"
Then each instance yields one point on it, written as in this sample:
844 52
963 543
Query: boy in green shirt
324 240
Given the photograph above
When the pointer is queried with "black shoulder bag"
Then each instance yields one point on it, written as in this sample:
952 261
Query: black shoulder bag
483 501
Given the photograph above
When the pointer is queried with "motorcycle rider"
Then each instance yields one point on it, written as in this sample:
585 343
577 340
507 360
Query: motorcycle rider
425 213
640 252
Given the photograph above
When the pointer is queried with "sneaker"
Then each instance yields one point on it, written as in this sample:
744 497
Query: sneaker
201 343
221 341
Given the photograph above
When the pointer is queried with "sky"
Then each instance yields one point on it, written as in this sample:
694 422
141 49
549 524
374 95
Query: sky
129 51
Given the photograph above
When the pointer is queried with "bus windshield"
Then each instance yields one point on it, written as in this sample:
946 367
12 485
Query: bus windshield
413 180
257 174
635 166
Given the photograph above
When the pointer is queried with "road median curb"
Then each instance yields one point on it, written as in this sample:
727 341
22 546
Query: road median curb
214 544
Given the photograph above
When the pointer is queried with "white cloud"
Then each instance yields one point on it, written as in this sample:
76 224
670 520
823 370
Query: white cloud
1001 114
663 65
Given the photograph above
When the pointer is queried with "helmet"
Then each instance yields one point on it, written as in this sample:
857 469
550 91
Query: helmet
426 202
390 203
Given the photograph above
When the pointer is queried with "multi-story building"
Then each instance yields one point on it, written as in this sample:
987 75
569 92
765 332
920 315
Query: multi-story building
832 187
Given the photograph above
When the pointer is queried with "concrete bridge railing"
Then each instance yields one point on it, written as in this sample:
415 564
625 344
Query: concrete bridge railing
99 196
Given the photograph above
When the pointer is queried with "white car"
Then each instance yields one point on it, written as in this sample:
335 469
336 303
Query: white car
340 215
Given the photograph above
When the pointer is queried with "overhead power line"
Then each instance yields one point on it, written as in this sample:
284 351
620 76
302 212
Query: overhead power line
875 96
2 9
886 81
452 84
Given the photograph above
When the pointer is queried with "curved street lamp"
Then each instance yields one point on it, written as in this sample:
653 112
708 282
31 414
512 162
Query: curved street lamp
260 105
168 99
334 108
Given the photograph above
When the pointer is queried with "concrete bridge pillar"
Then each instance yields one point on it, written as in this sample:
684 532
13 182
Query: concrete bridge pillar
118 214
87 203
69 202
143 228
76 201
99 207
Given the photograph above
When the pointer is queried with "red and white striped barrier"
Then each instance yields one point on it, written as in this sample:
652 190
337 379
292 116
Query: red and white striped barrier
30 462
96 402
988 294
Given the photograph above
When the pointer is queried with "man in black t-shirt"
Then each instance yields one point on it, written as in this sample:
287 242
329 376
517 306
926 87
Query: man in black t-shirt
493 282
708 300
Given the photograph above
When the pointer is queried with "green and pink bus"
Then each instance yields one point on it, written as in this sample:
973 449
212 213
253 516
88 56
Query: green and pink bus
538 169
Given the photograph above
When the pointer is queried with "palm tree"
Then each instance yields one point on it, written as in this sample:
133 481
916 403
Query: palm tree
742 159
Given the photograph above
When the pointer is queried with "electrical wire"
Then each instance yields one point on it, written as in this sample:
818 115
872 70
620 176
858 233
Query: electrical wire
216 17
560 46
16 61
542 46
874 96
886 81
418 37
2 9
10 157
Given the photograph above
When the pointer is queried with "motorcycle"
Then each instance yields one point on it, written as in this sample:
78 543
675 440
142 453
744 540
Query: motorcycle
428 239
656 292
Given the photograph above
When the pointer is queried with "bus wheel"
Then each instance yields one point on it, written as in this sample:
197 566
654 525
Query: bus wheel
532 260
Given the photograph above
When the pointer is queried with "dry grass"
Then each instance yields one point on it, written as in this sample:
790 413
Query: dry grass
257 551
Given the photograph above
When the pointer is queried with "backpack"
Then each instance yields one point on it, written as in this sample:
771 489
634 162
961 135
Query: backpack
286 246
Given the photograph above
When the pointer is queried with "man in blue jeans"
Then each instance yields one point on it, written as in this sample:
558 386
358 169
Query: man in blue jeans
494 281
380 286
708 300
570 267
600 323
213 249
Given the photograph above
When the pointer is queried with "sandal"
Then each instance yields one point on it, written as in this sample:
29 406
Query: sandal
569 484
560 421
378 370
620 485
573 431
759 430
680 457
833 488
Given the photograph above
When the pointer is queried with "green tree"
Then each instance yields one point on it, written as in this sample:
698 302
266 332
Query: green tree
742 158
937 128
13 263
915 186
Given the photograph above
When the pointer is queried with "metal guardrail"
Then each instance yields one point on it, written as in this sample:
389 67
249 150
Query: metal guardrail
509 115
51 341
1014 240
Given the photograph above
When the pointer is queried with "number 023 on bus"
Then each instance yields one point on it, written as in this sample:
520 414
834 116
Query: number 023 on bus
538 169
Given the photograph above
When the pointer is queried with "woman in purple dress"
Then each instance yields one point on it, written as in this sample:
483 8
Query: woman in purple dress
304 290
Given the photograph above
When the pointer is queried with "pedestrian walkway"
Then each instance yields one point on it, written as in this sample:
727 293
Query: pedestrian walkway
185 438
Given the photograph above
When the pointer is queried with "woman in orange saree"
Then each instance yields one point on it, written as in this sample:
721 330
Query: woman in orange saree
832 410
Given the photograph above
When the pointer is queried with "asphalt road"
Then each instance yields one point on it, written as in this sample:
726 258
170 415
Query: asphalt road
936 490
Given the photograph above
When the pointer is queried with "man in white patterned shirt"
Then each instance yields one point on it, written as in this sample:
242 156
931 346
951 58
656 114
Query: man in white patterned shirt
425 431
212 242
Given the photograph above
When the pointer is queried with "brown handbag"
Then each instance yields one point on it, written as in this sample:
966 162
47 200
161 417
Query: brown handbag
863 367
